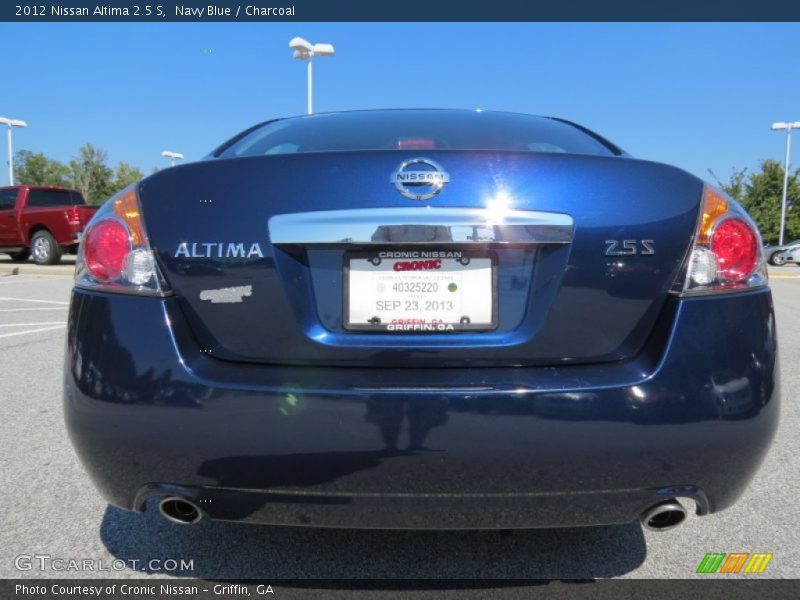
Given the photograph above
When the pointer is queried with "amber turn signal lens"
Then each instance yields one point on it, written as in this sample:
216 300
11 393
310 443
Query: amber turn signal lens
126 207
714 206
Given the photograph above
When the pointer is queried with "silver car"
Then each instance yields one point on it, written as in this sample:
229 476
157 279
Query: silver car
780 255
790 255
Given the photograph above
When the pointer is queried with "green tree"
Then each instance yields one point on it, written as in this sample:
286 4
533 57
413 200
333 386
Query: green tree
90 174
760 195
36 169
125 175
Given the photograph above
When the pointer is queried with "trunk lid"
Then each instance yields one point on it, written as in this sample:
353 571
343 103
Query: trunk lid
585 250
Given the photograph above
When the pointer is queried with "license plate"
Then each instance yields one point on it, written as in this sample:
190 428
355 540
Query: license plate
420 291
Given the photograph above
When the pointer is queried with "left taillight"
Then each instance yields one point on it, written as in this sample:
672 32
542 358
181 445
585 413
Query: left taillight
115 254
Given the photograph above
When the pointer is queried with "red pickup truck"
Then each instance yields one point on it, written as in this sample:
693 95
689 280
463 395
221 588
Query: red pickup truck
44 221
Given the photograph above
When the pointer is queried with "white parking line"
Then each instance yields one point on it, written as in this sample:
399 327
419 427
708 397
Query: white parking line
27 309
7 335
33 324
17 279
34 300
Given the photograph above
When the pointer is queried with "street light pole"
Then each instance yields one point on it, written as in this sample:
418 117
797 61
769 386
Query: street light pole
10 158
310 87
172 156
786 164
11 123
305 50
785 182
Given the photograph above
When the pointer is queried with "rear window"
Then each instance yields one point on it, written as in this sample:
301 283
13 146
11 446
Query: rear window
7 199
416 130
54 198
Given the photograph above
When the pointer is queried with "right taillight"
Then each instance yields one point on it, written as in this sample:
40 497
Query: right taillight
726 254
735 245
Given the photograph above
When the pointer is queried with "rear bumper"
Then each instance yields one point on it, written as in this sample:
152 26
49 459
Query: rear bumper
151 414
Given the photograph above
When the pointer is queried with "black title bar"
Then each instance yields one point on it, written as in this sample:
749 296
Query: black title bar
402 10
413 589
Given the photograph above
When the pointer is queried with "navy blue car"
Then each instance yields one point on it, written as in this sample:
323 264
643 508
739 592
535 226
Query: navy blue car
421 319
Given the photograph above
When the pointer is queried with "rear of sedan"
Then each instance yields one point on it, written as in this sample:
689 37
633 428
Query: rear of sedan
421 319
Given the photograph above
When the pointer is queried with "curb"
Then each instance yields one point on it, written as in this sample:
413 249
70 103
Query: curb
31 270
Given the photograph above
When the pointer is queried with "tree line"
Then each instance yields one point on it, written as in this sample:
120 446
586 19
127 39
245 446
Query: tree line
87 172
758 192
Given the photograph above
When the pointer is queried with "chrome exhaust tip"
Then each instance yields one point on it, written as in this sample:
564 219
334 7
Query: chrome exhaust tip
180 511
665 515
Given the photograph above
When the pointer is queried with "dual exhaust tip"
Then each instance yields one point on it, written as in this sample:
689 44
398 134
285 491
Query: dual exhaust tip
661 517
180 510
664 515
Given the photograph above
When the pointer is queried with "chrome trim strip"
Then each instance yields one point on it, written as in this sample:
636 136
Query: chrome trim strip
421 225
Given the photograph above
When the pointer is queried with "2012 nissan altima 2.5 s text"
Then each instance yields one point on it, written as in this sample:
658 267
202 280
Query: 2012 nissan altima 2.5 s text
422 319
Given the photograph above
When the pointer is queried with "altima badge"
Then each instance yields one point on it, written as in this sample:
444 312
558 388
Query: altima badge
218 250
420 179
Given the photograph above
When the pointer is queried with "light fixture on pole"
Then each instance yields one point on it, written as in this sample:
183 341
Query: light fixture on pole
788 128
305 50
11 123
172 156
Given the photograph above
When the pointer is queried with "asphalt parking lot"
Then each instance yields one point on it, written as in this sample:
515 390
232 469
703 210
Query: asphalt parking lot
49 506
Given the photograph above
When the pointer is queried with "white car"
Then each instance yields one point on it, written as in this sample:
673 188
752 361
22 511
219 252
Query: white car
791 254
779 255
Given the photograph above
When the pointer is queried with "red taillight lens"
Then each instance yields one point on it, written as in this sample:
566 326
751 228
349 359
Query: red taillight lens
73 216
105 248
736 247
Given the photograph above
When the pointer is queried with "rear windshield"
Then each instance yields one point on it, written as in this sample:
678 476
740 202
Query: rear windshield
54 198
415 130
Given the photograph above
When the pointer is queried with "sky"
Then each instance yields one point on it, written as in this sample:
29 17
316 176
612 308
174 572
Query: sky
697 96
